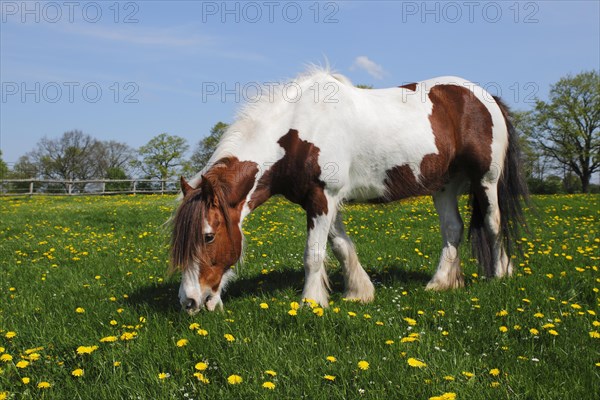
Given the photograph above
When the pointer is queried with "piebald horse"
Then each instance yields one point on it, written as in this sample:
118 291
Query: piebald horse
438 137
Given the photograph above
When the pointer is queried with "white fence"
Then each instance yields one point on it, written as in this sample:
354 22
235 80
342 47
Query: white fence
15 187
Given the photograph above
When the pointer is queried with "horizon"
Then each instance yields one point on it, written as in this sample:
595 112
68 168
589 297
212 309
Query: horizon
129 71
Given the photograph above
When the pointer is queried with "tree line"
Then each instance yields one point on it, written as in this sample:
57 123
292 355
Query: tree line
560 140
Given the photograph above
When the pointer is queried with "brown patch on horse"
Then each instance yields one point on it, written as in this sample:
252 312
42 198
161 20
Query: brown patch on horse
218 200
296 176
410 86
462 128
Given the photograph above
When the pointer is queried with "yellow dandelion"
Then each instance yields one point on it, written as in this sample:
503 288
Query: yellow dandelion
117 364
202 332
553 332
44 385
494 372
80 310
294 305
449 378
25 380
77 372
109 339
10 334
201 366
389 342
364 365
86 349
271 372
264 306
331 359
293 312
503 329
163 375
468 374
269 385
351 314
201 377
413 362
229 337
538 315
194 326
182 342
595 335
234 379
410 321
22 364
8 357
330 378
318 311
3 395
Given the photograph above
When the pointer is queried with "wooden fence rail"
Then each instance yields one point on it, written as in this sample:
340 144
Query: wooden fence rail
15 187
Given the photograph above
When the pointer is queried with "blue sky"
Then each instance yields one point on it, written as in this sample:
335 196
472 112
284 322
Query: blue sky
128 71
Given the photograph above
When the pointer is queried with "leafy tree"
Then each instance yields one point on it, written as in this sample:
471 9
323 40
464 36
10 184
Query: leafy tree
3 168
73 156
206 147
162 156
114 156
567 127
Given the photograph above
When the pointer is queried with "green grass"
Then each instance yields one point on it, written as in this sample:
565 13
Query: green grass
108 256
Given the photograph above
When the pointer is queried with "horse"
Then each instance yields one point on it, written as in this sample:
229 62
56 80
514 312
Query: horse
439 137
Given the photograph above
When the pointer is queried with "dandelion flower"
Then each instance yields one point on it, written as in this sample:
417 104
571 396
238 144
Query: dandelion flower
364 365
163 375
389 342
494 372
264 306
503 329
201 366
194 326
86 349
77 372
413 362
445 396
202 332
410 321
44 385
271 372
294 305
468 374
553 332
80 310
108 339
182 342
8 357
331 359
318 311
534 331
10 334
201 377
234 379
229 337
269 385
22 364
330 378
293 312
594 335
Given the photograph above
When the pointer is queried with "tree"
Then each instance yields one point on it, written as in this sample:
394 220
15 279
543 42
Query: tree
206 147
162 156
73 156
567 127
3 168
114 156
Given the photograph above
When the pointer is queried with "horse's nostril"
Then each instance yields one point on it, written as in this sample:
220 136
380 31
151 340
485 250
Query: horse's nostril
190 304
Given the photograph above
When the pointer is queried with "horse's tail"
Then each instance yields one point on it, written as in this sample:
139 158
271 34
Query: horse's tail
512 195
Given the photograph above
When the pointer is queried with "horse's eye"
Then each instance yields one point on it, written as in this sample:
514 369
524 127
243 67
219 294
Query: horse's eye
209 237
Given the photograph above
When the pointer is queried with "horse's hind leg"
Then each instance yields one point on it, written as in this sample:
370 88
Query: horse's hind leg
448 274
357 282
499 265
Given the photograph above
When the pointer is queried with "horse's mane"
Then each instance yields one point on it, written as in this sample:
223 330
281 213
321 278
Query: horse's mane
187 240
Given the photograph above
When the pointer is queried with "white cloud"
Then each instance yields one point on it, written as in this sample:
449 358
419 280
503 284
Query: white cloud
372 68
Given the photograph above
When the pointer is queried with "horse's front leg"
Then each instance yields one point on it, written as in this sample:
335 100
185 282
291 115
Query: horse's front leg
316 284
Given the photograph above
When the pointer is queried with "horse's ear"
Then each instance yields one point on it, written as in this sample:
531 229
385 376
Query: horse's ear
185 187
208 191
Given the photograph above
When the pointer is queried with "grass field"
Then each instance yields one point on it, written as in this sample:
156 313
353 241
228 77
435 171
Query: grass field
86 311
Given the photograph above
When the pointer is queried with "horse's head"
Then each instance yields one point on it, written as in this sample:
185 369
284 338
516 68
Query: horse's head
205 244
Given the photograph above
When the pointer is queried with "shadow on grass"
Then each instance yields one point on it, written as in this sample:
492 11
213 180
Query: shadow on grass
163 297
